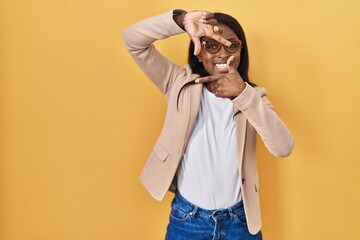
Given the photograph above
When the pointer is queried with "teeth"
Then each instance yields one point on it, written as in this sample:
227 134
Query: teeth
221 65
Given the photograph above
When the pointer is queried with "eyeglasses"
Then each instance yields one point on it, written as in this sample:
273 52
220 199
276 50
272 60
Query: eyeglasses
213 46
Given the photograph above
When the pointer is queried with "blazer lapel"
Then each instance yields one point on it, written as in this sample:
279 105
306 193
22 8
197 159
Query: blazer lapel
194 99
240 121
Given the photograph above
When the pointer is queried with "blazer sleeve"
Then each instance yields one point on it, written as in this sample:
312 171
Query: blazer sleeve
139 39
258 110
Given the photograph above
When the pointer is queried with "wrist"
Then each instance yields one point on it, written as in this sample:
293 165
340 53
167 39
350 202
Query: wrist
178 16
239 90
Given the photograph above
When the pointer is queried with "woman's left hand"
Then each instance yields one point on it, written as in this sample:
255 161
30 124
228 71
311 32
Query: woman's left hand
225 85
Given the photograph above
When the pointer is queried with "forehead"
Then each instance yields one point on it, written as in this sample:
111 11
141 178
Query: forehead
227 32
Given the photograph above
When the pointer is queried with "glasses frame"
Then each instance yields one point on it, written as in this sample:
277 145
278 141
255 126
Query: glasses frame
203 43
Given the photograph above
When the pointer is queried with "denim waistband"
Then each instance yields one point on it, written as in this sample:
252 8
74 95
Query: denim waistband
206 213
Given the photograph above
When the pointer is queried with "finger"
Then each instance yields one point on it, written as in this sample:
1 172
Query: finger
211 21
218 29
207 15
220 39
230 65
197 45
208 79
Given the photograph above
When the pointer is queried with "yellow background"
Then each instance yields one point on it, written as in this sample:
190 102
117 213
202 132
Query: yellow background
78 118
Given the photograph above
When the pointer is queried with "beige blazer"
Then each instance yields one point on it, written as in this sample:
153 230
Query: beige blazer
253 114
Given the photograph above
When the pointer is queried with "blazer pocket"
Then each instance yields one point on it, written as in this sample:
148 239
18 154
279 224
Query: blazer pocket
161 152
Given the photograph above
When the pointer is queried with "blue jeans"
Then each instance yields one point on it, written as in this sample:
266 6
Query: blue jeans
188 221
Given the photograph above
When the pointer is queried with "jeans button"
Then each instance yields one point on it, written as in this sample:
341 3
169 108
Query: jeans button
217 213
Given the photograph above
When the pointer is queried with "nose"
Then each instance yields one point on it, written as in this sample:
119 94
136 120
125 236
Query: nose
222 51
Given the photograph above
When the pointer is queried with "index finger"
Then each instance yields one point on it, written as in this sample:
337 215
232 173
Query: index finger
208 79
207 15
220 39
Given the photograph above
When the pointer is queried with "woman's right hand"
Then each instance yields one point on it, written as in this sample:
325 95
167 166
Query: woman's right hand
199 24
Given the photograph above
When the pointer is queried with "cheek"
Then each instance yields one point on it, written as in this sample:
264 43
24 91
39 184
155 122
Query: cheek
237 61
209 68
207 62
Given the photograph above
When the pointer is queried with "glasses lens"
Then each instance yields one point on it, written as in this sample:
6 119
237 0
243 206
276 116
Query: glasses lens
212 46
235 45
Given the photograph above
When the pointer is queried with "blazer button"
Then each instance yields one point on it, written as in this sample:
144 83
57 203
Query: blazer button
243 180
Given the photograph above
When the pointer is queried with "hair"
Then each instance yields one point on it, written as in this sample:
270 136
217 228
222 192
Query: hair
198 68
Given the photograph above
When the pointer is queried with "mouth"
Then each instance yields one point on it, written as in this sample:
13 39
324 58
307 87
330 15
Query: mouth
221 65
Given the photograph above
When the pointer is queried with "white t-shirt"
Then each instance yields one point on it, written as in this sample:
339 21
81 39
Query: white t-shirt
208 173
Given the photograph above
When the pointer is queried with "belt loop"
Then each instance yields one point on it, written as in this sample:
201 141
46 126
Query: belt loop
231 212
193 212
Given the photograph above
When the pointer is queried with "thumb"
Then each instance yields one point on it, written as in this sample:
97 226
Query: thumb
230 65
197 45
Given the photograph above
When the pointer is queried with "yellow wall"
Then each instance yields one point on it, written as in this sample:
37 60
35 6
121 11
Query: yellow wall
78 118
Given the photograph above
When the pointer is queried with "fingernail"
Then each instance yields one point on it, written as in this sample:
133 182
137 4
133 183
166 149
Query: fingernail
197 81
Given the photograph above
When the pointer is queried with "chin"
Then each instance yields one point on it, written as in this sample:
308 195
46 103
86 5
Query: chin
215 71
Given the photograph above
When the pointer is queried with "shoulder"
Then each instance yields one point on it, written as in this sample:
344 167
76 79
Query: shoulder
185 74
261 90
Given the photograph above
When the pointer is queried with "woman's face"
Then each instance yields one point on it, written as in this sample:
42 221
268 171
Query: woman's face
215 63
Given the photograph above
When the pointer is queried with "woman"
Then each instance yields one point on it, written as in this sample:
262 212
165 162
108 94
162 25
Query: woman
206 150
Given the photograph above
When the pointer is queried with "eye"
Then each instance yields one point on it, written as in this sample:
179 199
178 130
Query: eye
234 45
212 45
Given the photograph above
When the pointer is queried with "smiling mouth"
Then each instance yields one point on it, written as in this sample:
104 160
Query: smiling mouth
221 65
